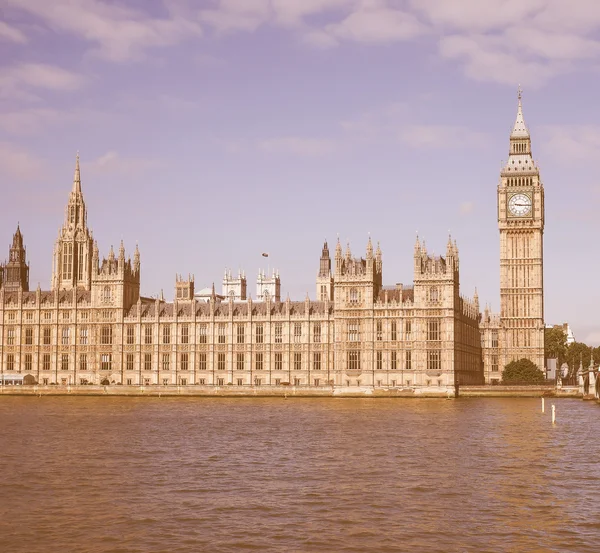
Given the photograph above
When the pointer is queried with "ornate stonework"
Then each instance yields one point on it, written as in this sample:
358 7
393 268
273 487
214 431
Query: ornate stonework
518 330
93 325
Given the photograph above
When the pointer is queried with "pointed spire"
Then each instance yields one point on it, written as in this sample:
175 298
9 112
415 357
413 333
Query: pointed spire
77 176
378 252
520 128
348 252
369 248
338 248
111 254
449 247
18 238
122 251
136 258
417 245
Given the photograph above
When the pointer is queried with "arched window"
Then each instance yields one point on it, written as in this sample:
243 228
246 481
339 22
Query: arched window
106 294
354 294
433 294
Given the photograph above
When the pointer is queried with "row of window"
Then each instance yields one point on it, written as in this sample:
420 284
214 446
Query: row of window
183 381
434 360
354 361
106 333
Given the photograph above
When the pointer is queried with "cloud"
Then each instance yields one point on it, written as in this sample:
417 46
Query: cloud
18 165
28 121
486 59
527 41
11 33
474 16
120 33
441 136
466 208
233 15
295 13
31 120
570 143
377 25
298 146
112 163
249 15
18 80
374 123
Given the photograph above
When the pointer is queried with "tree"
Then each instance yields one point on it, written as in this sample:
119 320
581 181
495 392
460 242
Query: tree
596 355
555 340
578 354
523 371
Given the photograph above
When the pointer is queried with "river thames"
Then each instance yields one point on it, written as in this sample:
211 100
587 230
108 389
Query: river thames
337 475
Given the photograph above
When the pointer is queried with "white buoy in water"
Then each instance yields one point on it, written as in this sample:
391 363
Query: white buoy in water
543 410
553 414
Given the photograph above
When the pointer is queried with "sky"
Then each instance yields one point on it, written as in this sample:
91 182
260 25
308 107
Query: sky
211 131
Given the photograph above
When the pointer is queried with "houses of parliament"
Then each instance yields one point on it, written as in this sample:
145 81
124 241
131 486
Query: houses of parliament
93 325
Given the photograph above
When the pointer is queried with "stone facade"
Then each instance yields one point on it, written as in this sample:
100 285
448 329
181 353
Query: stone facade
93 326
518 330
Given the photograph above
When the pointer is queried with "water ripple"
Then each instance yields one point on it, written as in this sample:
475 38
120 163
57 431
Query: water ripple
314 475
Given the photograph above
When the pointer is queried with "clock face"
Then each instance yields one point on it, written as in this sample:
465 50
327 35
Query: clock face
519 205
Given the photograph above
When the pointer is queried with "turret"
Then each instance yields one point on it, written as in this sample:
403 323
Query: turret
325 265
268 286
324 277
184 289
235 287
15 274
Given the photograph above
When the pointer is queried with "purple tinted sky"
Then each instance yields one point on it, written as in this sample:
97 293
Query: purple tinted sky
211 131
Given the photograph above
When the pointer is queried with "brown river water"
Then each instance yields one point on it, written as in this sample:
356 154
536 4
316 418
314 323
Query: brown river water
84 474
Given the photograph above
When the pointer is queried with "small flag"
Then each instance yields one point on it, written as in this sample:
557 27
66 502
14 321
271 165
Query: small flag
265 254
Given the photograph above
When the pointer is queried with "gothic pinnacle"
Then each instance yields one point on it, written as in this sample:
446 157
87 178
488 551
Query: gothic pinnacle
520 128
77 176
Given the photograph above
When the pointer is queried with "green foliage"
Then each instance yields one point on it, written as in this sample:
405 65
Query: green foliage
577 355
523 371
596 355
555 340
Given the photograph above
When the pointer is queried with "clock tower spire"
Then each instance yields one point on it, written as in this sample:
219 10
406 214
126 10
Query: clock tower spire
521 225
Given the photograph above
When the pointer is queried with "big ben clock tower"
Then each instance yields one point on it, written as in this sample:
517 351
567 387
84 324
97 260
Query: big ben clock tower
521 224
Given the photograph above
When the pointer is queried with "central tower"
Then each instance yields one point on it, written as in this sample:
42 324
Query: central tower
521 224
72 267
